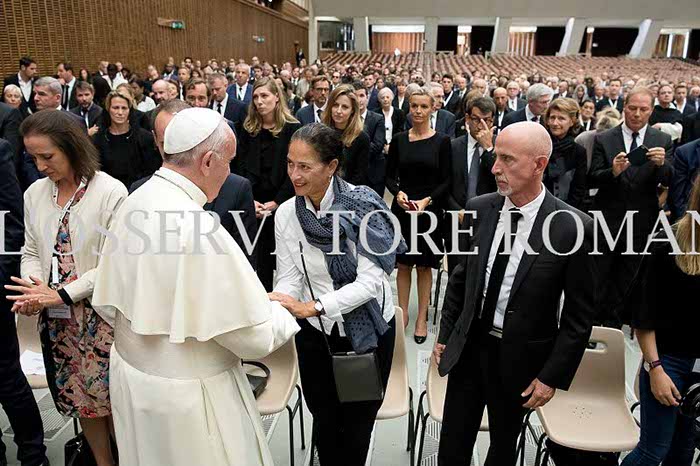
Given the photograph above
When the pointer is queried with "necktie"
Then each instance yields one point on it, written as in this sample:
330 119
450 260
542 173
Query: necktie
240 93
472 173
86 115
218 106
318 112
534 119
498 270
64 102
633 146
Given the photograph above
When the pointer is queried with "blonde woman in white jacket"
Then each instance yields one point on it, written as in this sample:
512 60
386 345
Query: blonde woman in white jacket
66 215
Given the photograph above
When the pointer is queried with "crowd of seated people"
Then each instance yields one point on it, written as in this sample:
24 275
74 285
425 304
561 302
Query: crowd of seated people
433 130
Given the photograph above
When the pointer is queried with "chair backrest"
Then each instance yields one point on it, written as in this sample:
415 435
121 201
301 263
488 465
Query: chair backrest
400 340
28 334
436 388
602 369
397 397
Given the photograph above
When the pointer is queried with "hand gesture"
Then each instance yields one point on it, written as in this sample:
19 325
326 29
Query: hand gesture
437 353
657 155
38 294
485 135
259 209
663 388
402 200
539 394
620 163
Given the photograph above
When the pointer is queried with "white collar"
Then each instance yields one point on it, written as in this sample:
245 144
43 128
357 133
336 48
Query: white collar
391 112
19 77
326 202
317 108
364 115
71 82
243 86
641 132
59 108
528 113
181 181
471 142
530 209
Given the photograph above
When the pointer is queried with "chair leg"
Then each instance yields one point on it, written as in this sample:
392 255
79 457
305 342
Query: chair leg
418 417
540 444
545 459
291 436
301 417
313 442
523 438
424 422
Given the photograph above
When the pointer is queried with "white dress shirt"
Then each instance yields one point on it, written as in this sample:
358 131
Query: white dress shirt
513 103
371 281
529 115
316 109
586 124
146 105
25 87
388 124
221 106
529 212
627 136
433 120
401 99
241 90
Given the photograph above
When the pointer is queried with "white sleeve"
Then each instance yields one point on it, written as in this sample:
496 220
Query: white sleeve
289 279
259 340
367 285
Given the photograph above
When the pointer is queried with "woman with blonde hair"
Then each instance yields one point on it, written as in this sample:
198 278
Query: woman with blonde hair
343 114
127 151
666 328
263 143
418 175
565 175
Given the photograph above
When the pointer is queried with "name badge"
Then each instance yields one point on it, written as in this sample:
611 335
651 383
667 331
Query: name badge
59 312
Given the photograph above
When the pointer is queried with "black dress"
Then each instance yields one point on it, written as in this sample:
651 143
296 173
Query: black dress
262 159
419 169
127 157
355 161
565 175
665 115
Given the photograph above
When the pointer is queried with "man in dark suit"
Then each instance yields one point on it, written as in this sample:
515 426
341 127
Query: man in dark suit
451 95
614 99
86 109
69 98
10 119
501 339
623 188
563 89
16 395
376 130
242 89
686 166
514 100
372 98
539 96
236 193
500 98
320 87
691 128
24 79
680 100
472 160
222 102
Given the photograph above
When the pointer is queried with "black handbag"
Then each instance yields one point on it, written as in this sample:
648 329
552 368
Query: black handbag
76 451
357 376
258 383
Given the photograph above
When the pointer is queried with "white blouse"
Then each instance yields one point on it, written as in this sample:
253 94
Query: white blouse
371 281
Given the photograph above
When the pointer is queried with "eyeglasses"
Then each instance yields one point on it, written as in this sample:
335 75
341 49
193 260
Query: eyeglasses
478 119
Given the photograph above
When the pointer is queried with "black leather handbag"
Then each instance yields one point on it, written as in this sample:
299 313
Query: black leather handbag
357 376
77 452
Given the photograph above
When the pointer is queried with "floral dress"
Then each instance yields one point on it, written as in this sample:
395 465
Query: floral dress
76 349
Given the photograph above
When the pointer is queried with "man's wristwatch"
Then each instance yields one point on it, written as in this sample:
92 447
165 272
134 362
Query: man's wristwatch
649 366
318 307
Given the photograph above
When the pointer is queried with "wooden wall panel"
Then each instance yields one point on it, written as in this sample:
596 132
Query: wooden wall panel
387 42
85 32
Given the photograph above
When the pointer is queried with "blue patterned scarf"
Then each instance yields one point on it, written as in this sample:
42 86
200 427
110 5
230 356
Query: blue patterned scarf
365 324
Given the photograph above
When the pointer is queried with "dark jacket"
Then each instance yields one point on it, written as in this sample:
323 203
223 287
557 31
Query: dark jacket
142 157
26 104
633 189
10 119
94 114
686 166
565 175
535 343
445 123
355 161
235 110
457 197
374 127
11 202
691 128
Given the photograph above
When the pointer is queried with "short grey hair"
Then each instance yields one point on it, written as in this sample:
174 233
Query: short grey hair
243 65
12 88
51 83
539 90
214 142
383 91
217 76
411 88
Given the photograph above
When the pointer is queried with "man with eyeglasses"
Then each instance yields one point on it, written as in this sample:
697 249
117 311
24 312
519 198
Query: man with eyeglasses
335 80
320 89
472 160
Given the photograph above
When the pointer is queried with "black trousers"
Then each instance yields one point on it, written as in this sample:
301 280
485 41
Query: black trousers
343 430
474 383
16 396
265 260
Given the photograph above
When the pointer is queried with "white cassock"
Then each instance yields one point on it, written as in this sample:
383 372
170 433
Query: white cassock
183 323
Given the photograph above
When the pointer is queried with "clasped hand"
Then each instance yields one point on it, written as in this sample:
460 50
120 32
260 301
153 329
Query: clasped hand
33 297
402 200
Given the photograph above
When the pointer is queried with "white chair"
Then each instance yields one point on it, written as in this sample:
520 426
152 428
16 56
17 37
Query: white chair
284 375
29 340
398 398
593 414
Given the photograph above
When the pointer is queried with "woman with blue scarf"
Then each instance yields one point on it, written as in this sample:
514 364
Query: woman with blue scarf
323 243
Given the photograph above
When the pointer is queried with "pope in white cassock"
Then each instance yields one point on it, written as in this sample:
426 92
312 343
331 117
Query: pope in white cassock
187 307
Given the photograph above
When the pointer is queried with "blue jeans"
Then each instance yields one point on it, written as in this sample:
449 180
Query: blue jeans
666 435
